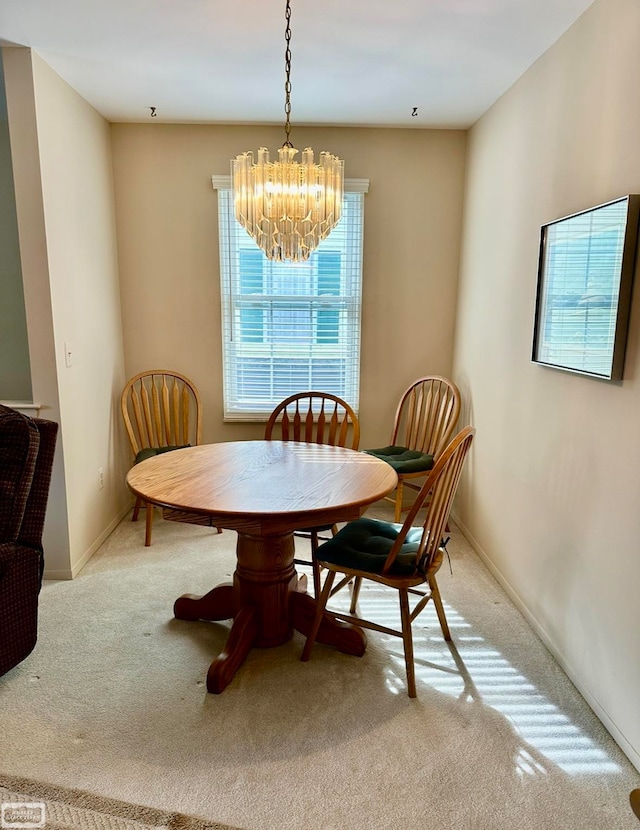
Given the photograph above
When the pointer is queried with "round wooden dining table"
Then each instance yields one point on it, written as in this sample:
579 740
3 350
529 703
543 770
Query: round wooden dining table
264 490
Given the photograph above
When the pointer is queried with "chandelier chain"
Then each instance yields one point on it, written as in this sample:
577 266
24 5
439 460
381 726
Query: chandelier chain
288 206
287 83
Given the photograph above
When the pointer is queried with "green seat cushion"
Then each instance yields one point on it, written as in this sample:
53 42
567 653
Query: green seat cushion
365 545
149 452
403 460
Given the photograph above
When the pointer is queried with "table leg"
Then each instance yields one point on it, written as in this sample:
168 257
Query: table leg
218 604
242 637
264 578
266 600
258 601
349 639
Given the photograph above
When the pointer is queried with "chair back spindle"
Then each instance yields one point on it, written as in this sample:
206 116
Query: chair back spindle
161 409
426 415
315 418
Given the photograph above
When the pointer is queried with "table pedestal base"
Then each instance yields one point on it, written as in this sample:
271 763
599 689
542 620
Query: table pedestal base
267 601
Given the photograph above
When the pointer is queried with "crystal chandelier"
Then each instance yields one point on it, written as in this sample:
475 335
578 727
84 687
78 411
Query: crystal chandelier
288 207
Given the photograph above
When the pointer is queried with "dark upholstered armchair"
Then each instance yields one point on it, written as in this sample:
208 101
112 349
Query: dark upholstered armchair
27 448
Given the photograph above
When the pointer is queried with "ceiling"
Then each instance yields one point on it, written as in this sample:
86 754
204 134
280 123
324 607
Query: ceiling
354 62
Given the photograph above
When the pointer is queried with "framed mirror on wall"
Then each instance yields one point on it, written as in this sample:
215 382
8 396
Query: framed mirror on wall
585 277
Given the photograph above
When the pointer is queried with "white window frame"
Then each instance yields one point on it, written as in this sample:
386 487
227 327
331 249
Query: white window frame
301 347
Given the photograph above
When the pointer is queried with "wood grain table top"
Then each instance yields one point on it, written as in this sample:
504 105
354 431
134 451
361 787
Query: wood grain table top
273 482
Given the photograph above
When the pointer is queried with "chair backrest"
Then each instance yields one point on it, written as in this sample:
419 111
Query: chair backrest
316 418
426 415
440 487
161 409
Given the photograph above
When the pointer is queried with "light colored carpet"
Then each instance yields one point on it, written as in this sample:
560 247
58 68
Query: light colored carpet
113 701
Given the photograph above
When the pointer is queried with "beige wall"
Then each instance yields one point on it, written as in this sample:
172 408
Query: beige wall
553 489
64 197
168 253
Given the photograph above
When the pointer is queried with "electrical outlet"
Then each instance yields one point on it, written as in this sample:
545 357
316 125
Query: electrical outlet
100 478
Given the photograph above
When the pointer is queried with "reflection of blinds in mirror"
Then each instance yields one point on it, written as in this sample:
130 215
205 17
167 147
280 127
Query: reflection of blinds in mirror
582 266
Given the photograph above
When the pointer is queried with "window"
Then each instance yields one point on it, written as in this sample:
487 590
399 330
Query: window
289 327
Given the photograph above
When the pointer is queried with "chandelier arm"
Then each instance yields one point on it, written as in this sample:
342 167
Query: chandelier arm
287 82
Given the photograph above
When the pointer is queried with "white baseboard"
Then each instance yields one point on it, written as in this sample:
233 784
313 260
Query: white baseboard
629 750
86 556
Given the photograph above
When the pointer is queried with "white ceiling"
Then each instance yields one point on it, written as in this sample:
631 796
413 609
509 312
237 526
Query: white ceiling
354 62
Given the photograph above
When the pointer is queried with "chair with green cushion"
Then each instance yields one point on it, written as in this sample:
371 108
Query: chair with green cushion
162 412
425 420
403 557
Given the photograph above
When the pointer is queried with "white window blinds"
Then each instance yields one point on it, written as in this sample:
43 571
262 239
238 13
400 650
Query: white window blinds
583 262
289 327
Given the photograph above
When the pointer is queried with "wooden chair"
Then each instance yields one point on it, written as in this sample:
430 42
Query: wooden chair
162 411
403 557
315 418
425 419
